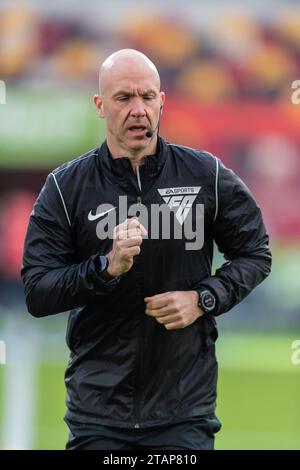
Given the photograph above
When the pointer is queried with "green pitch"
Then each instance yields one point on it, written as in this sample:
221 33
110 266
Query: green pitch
258 396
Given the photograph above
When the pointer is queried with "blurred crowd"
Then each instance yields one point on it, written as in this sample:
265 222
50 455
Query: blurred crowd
236 57
229 91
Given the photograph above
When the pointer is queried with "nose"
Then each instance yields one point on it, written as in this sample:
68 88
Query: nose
138 108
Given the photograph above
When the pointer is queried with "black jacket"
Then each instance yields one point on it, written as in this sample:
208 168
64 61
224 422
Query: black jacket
125 368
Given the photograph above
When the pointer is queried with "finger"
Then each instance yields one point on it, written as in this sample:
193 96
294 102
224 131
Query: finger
134 222
120 231
174 326
143 230
157 296
169 320
127 232
132 251
158 301
129 242
160 312
131 233
124 224
123 227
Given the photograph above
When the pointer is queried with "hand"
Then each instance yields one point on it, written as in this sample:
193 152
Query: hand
174 310
126 245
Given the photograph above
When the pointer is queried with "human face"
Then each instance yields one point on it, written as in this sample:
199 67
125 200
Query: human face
130 102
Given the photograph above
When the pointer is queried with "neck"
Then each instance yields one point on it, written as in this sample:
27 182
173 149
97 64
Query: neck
136 156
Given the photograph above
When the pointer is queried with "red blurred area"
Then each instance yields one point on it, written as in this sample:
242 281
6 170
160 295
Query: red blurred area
260 141
15 212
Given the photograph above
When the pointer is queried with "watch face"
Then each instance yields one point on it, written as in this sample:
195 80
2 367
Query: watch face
208 301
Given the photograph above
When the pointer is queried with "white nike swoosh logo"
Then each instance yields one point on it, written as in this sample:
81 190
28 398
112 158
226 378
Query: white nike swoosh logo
92 217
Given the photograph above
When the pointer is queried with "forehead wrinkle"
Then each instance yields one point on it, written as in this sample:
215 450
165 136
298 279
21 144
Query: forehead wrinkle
131 92
132 85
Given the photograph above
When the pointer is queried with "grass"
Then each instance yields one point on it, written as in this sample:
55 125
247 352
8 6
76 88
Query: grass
51 431
258 391
259 410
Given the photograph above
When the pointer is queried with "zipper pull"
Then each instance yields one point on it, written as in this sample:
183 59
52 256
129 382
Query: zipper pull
138 178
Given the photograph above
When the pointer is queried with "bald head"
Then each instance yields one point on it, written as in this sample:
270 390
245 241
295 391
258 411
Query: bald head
130 101
126 63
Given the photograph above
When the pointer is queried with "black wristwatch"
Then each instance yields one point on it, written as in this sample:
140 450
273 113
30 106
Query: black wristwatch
103 273
207 301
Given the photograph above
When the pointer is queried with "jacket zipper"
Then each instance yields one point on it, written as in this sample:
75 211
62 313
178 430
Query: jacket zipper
138 178
139 197
137 410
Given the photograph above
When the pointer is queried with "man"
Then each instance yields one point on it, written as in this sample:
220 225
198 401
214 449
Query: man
142 371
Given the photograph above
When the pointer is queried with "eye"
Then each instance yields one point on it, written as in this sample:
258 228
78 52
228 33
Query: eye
148 97
122 98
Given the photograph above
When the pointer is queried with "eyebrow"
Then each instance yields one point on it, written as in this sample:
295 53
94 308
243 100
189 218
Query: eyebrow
129 93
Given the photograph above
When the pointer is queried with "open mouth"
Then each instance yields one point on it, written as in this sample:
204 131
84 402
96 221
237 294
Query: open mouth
137 128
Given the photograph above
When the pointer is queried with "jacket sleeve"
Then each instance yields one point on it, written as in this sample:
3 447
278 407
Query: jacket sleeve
53 281
240 234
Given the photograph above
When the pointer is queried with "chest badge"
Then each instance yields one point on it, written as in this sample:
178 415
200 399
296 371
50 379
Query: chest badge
181 198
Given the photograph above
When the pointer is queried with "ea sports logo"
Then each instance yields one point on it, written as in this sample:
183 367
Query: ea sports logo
182 197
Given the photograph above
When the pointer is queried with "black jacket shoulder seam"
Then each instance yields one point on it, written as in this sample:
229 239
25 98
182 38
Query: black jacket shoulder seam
62 199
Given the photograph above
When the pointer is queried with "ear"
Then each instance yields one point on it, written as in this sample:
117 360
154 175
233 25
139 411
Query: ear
99 106
162 101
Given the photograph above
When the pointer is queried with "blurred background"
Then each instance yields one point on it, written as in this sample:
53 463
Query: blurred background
227 69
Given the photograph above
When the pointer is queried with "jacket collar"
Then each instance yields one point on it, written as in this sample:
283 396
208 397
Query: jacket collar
120 167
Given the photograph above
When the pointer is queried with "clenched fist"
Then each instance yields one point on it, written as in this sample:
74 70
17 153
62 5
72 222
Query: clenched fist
174 310
127 244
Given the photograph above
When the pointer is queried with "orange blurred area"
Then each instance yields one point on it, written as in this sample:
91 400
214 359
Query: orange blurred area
170 42
236 54
207 81
19 44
